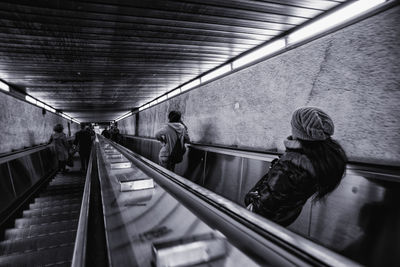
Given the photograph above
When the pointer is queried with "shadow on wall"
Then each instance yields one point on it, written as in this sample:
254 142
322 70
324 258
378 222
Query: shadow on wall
380 242
31 138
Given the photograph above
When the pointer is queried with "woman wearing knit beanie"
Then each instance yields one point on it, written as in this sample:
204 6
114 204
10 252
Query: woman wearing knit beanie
313 164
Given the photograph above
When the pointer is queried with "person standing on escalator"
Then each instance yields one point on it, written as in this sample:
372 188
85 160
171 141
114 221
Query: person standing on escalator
173 137
312 165
83 139
59 139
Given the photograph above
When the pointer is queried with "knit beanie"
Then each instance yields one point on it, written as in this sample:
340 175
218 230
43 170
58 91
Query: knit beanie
311 124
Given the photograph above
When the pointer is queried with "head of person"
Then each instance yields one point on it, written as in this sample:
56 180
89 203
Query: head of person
174 116
313 128
58 128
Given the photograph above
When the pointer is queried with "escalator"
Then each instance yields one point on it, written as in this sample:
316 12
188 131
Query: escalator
45 234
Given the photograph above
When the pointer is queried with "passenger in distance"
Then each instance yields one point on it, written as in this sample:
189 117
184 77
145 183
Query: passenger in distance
61 146
173 137
313 164
83 139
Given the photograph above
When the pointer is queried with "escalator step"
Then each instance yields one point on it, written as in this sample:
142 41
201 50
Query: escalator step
63 193
48 257
64 188
55 203
51 210
27 222
58 197
42 230
36 243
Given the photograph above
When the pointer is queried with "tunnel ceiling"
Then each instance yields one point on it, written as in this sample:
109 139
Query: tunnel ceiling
95 59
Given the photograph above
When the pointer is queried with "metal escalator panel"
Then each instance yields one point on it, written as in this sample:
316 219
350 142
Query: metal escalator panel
172 222
45 234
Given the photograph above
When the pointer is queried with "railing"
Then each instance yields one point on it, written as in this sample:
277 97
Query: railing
79 255
383 172
23 173
248 231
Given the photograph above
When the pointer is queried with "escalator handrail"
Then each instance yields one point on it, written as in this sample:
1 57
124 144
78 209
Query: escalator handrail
79 255
379 172
21 153
231 214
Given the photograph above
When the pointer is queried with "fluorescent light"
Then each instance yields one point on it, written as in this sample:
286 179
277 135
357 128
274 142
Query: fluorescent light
65 116
30 99
76 121
174 93
124 116
334 19
261 52
39 104
152 103
50 108
4 86
141 108
215 73
190 85
161 98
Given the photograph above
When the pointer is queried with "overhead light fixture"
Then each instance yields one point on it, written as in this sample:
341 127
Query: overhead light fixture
190 85
259 53
124 116
334 19
161 98
174 93
216 73
39 104
65 116
30 99
4 86
152 103
141 108
50 108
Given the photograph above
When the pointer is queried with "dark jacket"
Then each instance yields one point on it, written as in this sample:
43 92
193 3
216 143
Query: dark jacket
281 193
83 138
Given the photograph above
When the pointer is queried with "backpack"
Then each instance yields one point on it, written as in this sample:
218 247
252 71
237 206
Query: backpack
178 150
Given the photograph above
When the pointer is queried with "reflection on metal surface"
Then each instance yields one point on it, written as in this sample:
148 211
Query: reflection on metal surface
189 251
358 217
136 184
120 165
134 220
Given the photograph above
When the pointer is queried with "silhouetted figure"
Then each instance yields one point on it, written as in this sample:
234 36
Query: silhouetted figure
312 164
173 132
83 139
115 135
106 133
61 146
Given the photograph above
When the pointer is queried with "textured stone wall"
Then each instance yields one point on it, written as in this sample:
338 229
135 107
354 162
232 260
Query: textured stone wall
24 125
352 74
127 126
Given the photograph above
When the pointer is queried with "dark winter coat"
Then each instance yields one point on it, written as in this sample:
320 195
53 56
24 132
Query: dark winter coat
281 193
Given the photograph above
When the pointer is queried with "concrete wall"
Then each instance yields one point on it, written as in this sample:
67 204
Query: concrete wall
24 125
352 74
127 126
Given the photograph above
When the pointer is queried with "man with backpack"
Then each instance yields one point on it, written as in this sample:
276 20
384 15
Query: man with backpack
173 137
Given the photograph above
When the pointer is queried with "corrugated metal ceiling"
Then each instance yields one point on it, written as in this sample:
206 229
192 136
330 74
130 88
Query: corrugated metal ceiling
97 58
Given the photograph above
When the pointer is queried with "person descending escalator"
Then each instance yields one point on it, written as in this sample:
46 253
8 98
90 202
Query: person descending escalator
313 164
106 133
173 137
83 139
61 146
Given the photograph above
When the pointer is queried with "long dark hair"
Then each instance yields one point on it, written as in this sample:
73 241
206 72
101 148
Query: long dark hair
329 161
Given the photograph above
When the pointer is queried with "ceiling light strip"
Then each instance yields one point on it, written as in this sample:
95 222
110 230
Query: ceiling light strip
339 17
